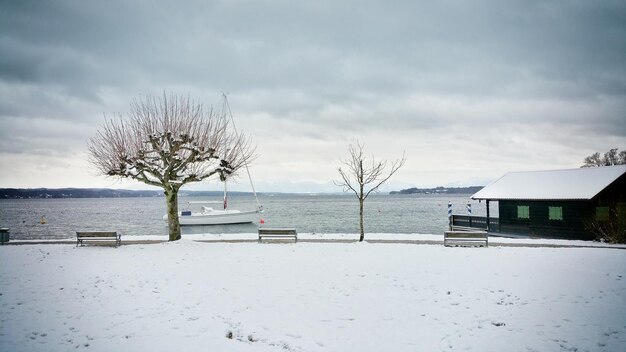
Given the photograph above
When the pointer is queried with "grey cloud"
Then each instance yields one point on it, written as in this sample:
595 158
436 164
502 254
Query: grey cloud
468 49
331 69
41 136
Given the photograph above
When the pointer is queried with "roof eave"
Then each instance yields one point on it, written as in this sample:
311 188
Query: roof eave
532 199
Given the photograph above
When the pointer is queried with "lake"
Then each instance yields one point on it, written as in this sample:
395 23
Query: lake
400 214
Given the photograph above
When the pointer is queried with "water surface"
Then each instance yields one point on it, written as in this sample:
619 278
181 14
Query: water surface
422 214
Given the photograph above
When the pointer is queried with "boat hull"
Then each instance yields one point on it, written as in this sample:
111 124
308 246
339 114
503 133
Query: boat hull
217 218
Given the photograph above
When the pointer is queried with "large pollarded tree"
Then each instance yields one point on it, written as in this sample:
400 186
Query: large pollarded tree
168 142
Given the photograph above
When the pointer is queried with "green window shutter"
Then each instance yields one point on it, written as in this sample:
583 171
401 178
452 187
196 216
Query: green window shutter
523 212
555 213
602 213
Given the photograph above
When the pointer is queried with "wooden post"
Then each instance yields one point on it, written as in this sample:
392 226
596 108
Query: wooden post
488 215
450 215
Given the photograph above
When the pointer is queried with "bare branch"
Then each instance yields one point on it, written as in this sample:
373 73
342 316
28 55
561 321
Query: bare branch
167 142
395 166
345 183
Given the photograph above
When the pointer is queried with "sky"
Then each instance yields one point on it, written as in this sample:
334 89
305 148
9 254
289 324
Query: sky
467 90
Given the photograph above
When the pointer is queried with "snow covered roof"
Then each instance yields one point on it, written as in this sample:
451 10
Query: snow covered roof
571 184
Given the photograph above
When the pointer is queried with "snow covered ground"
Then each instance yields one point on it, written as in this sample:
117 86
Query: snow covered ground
195 296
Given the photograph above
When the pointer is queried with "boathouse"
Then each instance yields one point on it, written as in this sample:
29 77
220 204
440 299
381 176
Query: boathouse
557 203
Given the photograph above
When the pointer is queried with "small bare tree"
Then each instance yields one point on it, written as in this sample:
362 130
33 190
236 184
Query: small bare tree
364 177
168 142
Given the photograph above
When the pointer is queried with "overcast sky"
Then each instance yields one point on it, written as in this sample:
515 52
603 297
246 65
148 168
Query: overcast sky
469 89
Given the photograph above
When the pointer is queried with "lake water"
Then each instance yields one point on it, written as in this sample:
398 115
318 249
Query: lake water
421 214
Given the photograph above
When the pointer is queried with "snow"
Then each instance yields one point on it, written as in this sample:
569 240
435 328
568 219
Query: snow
197 296
374 237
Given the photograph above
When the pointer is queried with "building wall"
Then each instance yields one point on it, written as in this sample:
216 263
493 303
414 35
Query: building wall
614 194
614 197
574 214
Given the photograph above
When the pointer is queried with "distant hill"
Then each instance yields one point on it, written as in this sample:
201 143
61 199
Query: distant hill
440 190
18 193
40 193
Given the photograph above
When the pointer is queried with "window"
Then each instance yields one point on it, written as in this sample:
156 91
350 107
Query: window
523 212
602 213
555 213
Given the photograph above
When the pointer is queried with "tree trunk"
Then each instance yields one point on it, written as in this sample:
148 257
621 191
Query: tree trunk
171 198
361 200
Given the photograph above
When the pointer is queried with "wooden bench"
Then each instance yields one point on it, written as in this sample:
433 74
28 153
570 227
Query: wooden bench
278 234
98 236
466 238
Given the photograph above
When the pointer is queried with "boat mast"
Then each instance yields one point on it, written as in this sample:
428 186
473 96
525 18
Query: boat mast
241 150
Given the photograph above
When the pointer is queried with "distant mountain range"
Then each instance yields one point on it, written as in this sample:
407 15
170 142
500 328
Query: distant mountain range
26 193
42 193
440 190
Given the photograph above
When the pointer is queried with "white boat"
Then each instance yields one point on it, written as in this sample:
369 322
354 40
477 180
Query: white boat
210 216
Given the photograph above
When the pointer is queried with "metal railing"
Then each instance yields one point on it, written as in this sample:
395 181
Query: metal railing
475 222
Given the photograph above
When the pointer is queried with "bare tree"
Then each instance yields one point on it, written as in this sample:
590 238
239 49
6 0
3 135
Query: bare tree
364 177
168 142
612 157
593 160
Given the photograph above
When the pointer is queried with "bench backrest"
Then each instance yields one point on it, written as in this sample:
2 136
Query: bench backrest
465 234
96 234
276 231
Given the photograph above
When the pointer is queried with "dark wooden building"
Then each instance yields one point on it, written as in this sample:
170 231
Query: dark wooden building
558 203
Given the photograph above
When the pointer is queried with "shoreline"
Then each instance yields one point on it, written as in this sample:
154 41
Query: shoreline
345 239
